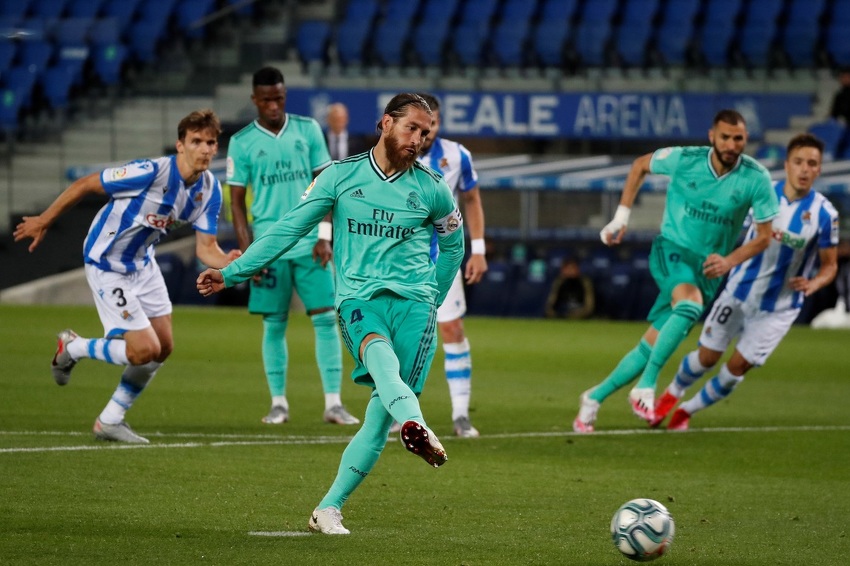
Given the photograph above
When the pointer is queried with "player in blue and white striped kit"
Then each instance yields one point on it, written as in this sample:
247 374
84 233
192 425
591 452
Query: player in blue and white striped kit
454 162
763 295
147 198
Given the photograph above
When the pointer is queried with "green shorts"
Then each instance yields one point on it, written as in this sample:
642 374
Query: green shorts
273 293
409 326
671 265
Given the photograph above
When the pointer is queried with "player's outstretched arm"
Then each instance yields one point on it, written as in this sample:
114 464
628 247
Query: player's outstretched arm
35 227
614 231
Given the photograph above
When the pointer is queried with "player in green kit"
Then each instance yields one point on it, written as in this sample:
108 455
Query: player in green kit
386 207
711 190
276 156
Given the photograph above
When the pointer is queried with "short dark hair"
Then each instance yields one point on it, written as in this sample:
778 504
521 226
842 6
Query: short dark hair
267 76
432 100
729 116
804 140
398 105
198 121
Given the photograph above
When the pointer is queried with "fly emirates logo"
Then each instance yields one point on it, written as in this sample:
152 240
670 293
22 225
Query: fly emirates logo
380 226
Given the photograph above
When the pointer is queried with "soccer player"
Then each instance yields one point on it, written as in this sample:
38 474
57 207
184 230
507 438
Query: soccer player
454 162
710 192
386 207
763 295
147 198
277 155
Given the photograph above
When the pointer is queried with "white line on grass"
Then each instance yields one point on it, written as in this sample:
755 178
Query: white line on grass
279 533
271 440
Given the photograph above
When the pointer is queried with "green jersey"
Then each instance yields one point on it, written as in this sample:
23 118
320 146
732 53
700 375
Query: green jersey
705 213
277 168
382 230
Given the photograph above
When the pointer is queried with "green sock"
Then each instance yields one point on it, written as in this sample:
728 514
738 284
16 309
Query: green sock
629 368
685 314
361 454
275 355
328 350
399 400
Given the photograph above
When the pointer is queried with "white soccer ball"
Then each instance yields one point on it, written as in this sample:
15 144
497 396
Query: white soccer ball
642 529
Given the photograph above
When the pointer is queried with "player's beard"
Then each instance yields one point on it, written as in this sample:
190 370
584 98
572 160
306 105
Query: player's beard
727 158
400 160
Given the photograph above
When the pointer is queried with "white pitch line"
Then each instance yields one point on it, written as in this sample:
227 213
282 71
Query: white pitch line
279 533
266 440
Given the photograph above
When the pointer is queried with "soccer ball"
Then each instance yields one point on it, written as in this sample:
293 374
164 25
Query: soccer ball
642 529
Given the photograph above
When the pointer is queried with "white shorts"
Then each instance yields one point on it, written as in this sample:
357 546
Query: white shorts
454 306
759 332
127 301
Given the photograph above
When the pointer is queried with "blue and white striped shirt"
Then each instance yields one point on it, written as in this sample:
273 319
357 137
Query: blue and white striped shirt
802 228
147 199
454 163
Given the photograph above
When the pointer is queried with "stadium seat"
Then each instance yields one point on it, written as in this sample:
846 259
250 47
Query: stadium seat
361 11
468 43
8 50
173 270
630 42
528 298
755 43
14 9
312 39
477 12
552 31
639 12
351 42
592 42
837 46
437 12
491 296
799 42
21 81
84 8
831 132
56 84
10 107
714 45
429 41
123 12
616 291
389 42
35 54
518 11
47 9
190 13
108 61
507 43
674 33
558 10
401 12
804 12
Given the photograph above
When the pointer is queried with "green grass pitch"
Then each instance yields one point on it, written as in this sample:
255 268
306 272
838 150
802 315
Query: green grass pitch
763 477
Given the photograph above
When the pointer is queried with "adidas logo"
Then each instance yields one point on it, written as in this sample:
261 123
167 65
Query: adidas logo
261 153
358 194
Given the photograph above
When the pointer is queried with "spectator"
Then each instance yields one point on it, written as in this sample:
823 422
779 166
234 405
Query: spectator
572 295
841 101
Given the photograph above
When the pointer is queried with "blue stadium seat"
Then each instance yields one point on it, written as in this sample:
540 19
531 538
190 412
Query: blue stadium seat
35 54
21 81
491 296
429 41
468 43
616 291
173 272
438 12
721 12
123 12
548 40
56 84
762 11
477 12
531 290
804 12
351 42
84 8
799 42
714 44
831 132
10 106
598 11
361 11
680 11
639 12
840 12
507 43
8 50
389 41
108 61
675 32
312 39
558 10
837 45
189 14
14 8
518 11
401 12
592 42
630 43
47 9
756 42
